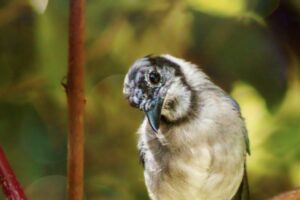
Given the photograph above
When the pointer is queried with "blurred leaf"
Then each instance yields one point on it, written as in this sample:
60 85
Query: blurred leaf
263 8
231 50
39 5
38 141
17 50
220 7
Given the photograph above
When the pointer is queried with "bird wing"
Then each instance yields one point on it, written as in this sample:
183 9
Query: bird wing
246 138
236 107
243 191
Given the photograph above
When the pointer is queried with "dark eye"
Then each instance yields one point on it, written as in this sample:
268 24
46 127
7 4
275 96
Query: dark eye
154 77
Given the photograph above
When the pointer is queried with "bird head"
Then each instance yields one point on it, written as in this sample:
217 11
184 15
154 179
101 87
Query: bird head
157 86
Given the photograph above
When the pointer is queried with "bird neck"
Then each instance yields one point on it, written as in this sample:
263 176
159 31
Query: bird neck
180 103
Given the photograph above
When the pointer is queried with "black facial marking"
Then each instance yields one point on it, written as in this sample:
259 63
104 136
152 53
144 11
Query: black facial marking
158 61
142 83
161 61
191 114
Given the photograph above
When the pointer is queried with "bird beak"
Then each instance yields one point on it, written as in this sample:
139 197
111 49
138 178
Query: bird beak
153 114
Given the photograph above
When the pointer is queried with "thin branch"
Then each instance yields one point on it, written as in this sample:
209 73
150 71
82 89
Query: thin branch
75 95
8 180
290 195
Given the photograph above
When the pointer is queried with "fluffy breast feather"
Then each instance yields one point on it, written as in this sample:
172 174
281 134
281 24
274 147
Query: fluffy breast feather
191 161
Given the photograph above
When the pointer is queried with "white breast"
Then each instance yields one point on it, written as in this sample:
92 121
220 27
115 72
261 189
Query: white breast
195 161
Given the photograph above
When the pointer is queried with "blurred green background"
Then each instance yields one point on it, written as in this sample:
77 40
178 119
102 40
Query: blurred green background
251 48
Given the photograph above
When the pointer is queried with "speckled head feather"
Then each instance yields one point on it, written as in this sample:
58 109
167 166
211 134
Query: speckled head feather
139 89
171 90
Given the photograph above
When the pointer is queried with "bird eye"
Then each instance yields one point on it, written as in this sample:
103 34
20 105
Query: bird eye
154 77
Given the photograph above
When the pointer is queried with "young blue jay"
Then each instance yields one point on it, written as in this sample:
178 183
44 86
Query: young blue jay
193 141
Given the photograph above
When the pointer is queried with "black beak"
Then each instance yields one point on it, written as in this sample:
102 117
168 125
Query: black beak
153 114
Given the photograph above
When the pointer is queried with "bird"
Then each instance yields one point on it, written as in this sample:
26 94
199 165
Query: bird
193 142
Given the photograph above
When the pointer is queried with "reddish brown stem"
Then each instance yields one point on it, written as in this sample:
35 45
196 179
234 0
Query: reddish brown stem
9 182
75 95
290 195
